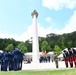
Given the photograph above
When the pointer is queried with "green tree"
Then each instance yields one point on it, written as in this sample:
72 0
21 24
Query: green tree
22 47
28 44
70 44
45 46
57 50
41 39
10 47
60 42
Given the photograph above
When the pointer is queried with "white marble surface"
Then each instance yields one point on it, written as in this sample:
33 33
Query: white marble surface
43 66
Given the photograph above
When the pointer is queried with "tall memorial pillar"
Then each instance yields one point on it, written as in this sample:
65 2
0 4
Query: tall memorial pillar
35 43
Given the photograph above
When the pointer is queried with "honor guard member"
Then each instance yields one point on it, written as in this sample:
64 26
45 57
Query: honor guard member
16 59
11 61
70 53
65 56
2 61
6 60
20 60
74 56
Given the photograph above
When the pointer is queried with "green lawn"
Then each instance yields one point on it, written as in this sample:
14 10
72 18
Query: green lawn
49 72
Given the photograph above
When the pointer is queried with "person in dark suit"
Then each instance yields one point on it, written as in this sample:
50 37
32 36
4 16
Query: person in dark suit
48 58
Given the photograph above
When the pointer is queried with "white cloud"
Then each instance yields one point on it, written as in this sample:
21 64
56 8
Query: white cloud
48 19
59 4
43 31
28 34
6 35
71 4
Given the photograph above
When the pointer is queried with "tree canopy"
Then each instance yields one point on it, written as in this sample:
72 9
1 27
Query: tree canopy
45 43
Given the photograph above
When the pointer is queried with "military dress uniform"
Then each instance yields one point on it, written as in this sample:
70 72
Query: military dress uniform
6 60
11 61
70 53
20 60
65 56
16 59
2 61
56 60
74 56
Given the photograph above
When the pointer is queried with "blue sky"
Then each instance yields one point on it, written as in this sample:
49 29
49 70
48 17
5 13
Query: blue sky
55 16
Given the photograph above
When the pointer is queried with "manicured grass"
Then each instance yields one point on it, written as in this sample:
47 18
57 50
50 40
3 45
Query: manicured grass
49 72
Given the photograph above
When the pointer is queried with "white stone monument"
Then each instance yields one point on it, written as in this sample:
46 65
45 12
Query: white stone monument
35 65
35 43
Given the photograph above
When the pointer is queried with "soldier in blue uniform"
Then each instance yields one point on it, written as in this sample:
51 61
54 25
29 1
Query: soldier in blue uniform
20 60
11 61
16 58
2 61
6 60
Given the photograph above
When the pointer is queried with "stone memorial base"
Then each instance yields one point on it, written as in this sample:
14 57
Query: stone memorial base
43 66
